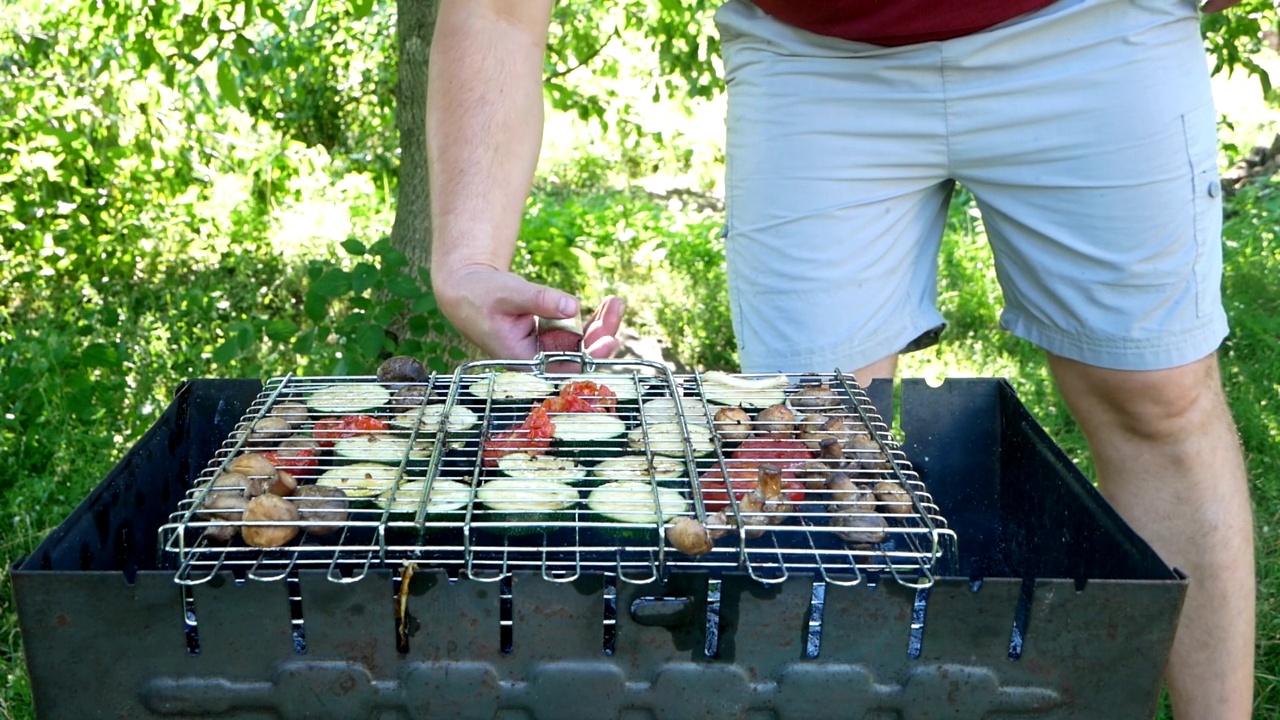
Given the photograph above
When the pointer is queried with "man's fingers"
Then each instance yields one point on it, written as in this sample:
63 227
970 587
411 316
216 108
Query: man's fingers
600 335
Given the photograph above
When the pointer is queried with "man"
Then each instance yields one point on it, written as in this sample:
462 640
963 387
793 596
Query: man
1085 130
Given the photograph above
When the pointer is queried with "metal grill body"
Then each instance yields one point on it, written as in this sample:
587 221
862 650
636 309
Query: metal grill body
1048 607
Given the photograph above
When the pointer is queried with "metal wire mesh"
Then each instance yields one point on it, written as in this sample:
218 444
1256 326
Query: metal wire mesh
498 467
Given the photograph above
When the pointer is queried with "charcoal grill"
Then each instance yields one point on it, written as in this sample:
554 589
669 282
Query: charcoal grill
1008 588
405 451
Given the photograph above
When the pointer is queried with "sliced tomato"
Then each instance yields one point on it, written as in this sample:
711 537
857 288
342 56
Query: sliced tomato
297 461
786 454
533 435
570 404
599 397
326 431
742 480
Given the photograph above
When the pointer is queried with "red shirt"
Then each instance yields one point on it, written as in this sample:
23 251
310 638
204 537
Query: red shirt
896 22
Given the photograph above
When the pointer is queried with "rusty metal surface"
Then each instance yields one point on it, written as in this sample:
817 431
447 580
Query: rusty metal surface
1090 642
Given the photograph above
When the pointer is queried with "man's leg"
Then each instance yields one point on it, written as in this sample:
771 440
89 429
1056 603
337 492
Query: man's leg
1169 461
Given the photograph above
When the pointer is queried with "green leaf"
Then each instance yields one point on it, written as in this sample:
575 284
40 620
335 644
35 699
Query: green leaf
424 303
281 330
363 276
354 246
370 340
315 306
100 355
228 85
419 325
403 286
333 283
226 352
361 8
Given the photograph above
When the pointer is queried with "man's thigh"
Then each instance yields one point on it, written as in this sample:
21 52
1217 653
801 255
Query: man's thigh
1098 185
837 191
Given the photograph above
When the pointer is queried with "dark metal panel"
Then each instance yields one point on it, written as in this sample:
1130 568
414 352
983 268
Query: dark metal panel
453 621
645 643
350 621
864 625
244 626
763 628
557 620
1105 645
92 640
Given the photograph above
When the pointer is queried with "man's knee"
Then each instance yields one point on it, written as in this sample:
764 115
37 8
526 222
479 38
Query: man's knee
1155 404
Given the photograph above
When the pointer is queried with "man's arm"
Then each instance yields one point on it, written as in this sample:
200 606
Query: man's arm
484 133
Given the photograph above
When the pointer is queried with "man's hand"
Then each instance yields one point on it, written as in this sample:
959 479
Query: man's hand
496 310
1213 6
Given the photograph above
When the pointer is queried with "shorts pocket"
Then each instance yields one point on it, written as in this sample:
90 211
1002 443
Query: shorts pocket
1200 131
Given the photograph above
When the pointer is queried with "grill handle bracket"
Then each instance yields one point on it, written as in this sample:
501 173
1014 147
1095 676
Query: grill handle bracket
666 612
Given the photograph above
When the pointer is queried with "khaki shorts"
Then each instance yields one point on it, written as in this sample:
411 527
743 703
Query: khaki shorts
1086 132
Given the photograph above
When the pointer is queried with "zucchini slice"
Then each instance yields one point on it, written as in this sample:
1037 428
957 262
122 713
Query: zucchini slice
461 421
361 480
638 467
512 387
542 467
589 434
385 449
634 508
448 499
348 398
664 409
667 438
756 393
525 505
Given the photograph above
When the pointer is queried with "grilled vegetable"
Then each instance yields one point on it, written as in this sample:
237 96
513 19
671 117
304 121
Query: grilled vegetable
726 389
402 369
360 480
384 449
816 399
664 409
896 501
859 528
512 387
223 508
733 424
639 467
542 467
269 508
776 420
348 398
461 420
689 536
623 386
324 508
326 431
590 435
293 413
525 505
633 508
446 502
253 465
268 430
813 429
667 438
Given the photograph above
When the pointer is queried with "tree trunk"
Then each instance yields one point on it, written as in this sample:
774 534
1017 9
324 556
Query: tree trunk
411 233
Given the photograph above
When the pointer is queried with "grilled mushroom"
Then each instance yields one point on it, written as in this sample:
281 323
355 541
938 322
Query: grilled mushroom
733 424
896 500
269 508
402 369
776 420
323 507
859 528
